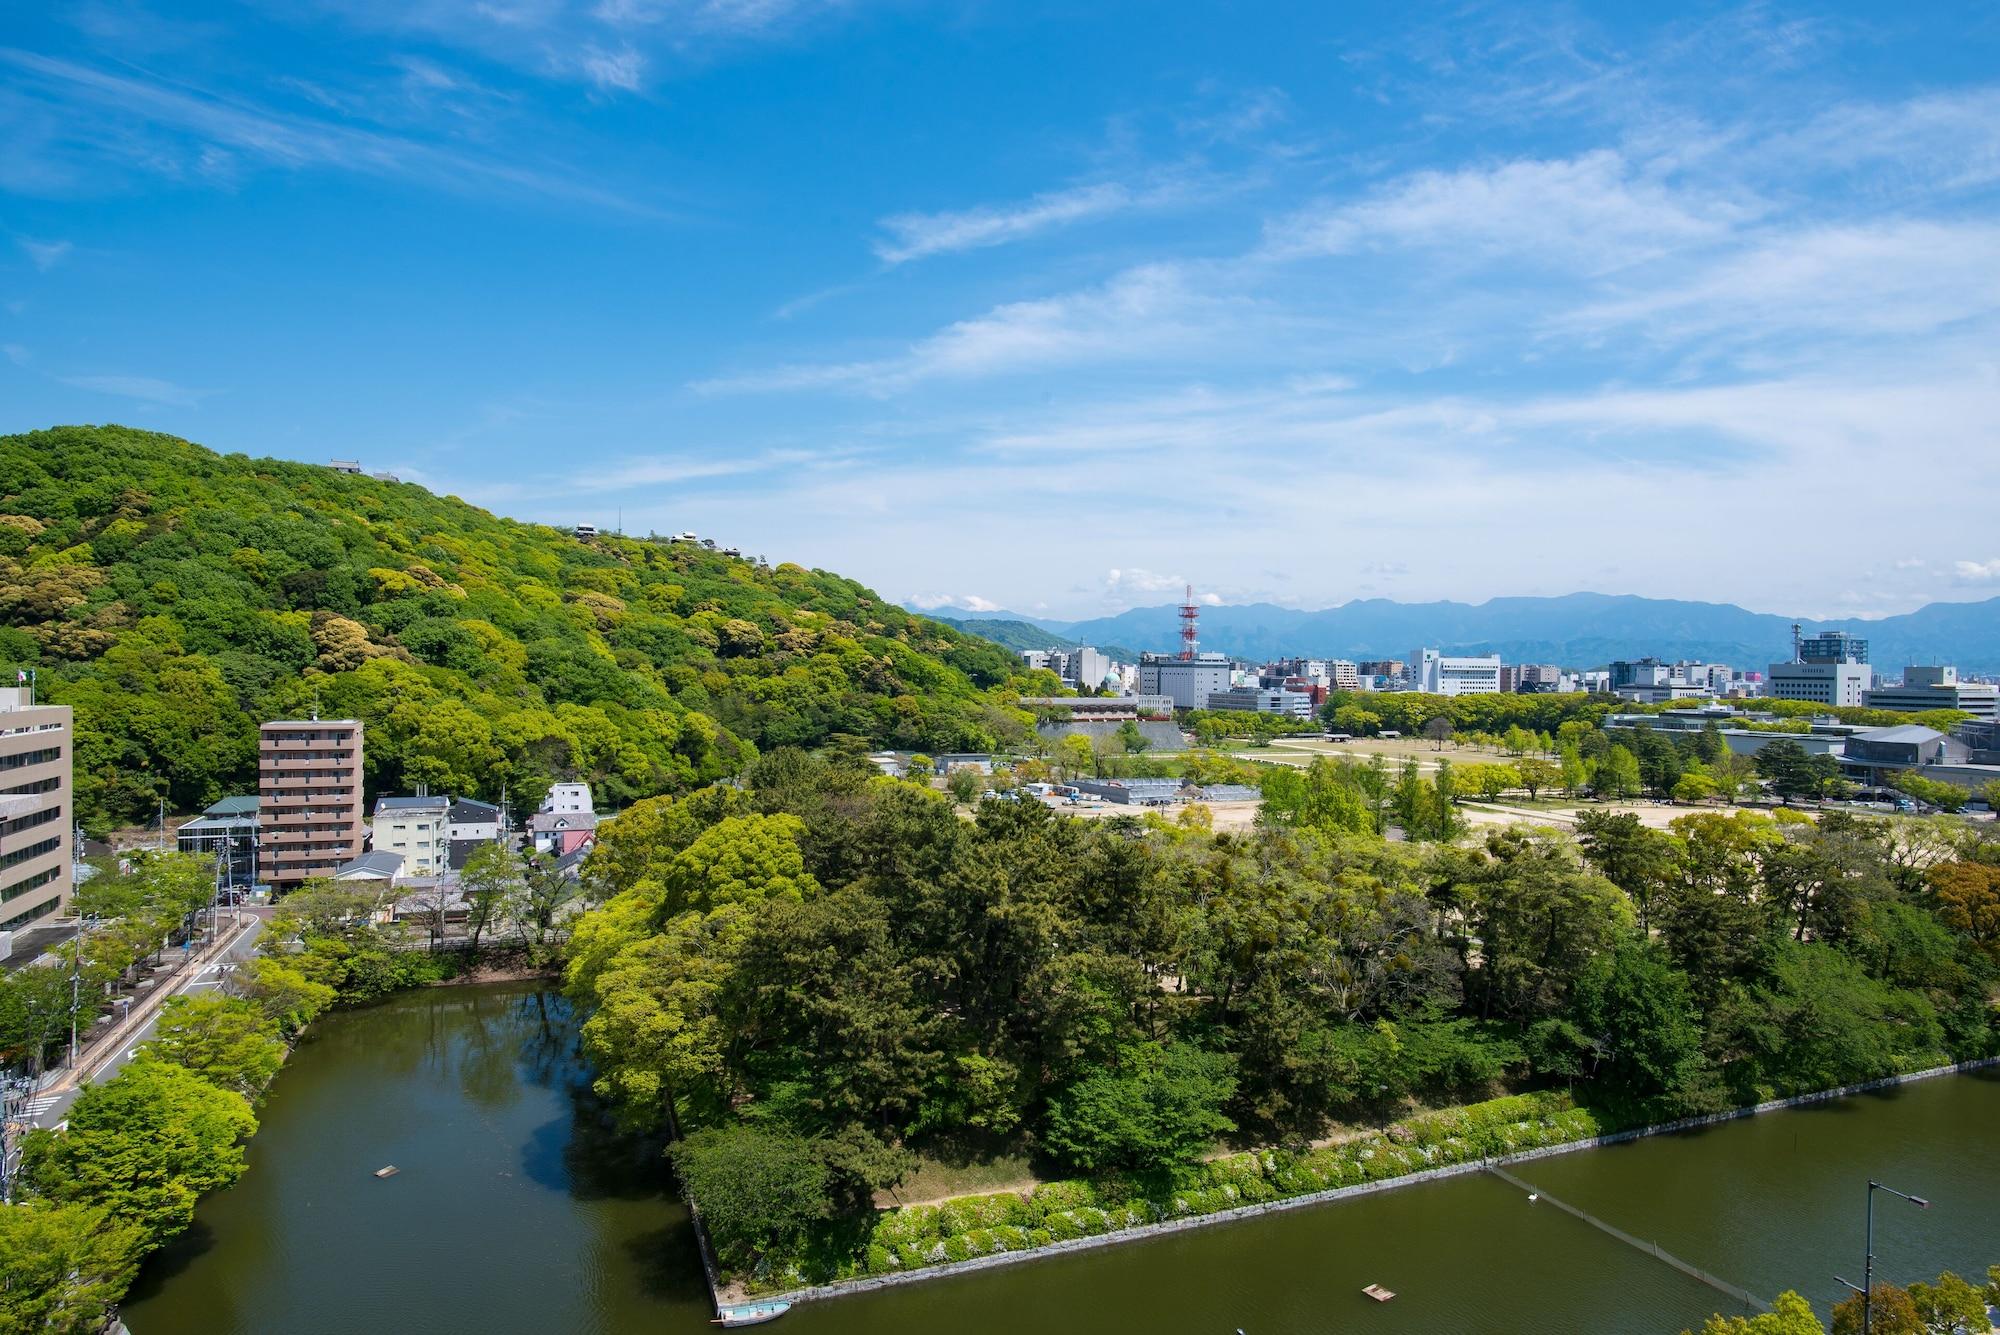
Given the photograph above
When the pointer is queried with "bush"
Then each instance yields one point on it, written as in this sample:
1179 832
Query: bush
756 1189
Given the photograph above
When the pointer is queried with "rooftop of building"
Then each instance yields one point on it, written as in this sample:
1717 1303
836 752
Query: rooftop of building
243 804
423 802
1906 734
380 863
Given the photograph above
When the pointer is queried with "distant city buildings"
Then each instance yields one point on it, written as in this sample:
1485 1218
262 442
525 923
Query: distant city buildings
1083 667
1935 688
37 758
309 809
1434 673
1830 669
1264 700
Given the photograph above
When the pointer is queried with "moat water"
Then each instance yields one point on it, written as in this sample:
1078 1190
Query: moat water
515 1211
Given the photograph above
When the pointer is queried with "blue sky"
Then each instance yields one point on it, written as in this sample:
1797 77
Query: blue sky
1053 307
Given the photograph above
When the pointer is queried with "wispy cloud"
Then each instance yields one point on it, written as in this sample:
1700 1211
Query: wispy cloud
624 68
1594 210
129 111
1978 572
1146 311
45 255
146 389
914 236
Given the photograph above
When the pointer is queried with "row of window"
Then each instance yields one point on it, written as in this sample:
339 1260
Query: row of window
30 821
48 785
35 882
35 850
21 759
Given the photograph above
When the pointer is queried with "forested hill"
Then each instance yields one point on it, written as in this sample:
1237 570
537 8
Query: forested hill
175 597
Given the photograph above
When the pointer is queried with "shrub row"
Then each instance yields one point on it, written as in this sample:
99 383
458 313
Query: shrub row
916 1236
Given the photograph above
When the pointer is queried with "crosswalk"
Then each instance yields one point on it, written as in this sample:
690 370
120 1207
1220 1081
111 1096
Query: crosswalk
38 1105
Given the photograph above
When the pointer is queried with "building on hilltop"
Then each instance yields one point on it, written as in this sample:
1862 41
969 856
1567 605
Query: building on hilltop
1434 673
309 791
37 802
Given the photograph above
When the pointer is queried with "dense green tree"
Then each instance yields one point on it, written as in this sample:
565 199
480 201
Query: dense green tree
756 1189
63 1268
227 1041
174 597
143 1146
1159 1105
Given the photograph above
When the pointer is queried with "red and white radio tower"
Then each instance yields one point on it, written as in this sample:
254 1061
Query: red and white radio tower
1190 613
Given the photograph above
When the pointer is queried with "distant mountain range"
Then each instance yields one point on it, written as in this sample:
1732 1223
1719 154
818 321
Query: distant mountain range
1574 630
1017 634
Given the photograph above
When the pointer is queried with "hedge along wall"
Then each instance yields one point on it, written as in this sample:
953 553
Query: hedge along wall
1432 1147
972 1228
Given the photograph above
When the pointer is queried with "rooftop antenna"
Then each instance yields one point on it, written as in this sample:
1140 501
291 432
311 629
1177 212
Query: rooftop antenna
1796 648
315 708
1190 614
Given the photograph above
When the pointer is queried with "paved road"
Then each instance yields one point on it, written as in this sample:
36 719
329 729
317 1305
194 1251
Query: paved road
48 1110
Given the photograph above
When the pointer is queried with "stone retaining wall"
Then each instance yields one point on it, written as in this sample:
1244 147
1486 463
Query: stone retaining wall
1119 1237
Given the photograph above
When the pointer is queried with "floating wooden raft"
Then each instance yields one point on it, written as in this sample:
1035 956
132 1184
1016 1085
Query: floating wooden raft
389 1171
1378 1293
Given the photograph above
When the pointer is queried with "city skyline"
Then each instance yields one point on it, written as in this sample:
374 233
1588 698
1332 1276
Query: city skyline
1056 313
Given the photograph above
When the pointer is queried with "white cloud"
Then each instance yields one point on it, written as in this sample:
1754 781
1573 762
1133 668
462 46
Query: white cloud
1896 278
623 69
146 389
1594 211
1128 582
916 235
964 602
1147 311
45 255
1978 572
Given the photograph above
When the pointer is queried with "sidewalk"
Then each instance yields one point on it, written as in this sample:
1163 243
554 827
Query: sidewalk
102 1049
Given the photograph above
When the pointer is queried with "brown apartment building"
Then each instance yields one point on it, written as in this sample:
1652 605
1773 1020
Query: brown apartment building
309 809
35 808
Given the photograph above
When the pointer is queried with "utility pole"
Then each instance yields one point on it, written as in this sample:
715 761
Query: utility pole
1867 1286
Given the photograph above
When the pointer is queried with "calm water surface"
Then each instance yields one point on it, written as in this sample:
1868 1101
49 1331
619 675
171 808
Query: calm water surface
515 1212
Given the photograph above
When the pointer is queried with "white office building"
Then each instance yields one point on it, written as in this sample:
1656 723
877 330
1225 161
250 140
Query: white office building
1263 700
1433 673
1936 688
1821 683
1188 681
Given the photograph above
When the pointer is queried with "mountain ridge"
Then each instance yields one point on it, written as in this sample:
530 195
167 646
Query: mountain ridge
1582 629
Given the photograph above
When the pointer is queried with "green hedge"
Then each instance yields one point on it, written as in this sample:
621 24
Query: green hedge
957 1230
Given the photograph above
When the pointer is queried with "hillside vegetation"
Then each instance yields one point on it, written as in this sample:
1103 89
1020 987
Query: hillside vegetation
175 597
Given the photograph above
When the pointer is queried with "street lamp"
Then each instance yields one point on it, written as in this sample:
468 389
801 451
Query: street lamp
1868 1265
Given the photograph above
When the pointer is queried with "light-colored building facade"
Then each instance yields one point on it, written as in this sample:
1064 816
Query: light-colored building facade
1821 683
1263 700
1188 681
568 799
37 756
416 828
309 799
1345 674
1936 688
1434 673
